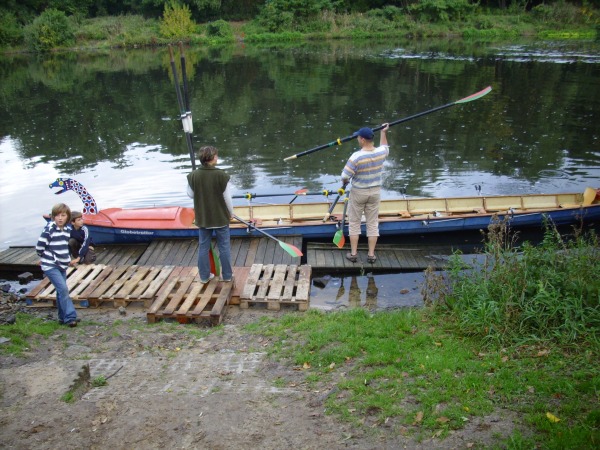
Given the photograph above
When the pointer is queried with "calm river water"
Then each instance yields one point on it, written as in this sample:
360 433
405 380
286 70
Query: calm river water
110 120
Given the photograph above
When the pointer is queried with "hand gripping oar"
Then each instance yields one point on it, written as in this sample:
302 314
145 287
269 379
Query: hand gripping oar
290 249
340 141
184 117
339 239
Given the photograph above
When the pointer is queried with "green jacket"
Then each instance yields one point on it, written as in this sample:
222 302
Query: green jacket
209 184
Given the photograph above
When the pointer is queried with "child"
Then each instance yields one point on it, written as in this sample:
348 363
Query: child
53 250
80 242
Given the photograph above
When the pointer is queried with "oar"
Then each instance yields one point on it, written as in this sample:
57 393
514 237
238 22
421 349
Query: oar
339 239
183 115
340 192
304 192
250 196
292 251
340 141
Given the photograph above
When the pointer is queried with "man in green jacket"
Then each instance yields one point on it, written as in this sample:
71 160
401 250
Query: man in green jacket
210 189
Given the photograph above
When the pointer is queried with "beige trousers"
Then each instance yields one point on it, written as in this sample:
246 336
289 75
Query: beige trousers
364 201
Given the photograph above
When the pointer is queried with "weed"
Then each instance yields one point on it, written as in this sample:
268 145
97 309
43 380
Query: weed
99 381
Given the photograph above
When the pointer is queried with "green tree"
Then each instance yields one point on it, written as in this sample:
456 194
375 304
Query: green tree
50 30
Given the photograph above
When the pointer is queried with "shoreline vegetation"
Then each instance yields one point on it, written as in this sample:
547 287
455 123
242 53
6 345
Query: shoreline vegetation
57 30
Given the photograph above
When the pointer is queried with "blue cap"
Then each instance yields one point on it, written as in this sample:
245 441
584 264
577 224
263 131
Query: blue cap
365 133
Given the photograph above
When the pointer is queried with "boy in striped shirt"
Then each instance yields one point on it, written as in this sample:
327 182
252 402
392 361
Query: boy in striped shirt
53 249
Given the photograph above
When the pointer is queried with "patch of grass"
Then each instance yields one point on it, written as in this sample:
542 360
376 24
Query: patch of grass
68 397
25 333
419 370
99 381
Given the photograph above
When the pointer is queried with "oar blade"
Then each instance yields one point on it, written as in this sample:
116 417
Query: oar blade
475 96
290 249
339 239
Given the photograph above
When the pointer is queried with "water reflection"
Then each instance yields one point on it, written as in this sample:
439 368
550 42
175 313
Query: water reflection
383 291
110 120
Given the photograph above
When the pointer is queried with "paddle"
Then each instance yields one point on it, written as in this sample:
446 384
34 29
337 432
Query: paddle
185 120
290 249
339 239
339 141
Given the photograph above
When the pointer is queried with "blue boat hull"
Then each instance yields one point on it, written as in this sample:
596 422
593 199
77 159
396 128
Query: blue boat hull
584 216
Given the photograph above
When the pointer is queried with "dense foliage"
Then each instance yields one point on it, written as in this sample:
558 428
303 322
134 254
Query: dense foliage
161 21
529 293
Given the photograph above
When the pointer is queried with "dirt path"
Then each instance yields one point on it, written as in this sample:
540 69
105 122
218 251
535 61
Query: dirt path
167 389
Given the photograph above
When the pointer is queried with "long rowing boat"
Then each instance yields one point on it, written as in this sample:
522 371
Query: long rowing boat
318 220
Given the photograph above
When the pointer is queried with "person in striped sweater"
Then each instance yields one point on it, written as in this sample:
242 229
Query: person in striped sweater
53 249
364 169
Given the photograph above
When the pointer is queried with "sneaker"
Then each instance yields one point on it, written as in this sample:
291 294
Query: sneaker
72 324
226 280
212 275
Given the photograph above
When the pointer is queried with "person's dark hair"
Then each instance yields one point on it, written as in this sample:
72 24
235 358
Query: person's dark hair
207 154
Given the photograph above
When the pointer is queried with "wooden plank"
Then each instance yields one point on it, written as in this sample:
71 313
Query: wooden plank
241 259
83 285
162 297
132 283
234 249
95 283
191 256
260 251
303 289
39 288
156 285
264 283
220 307
190 299
106 284
251 281
290 283
144 282
206 297
177 297
117 283
276 286
252 250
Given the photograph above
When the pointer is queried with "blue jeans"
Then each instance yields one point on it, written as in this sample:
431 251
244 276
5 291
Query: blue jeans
66 310
224 245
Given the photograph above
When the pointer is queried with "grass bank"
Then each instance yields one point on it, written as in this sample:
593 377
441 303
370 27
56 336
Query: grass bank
518 337
557 21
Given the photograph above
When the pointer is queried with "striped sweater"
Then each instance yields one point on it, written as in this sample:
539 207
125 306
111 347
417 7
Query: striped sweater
364 168
53 247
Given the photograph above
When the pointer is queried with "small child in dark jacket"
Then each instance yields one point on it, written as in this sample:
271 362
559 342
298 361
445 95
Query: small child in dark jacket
80 242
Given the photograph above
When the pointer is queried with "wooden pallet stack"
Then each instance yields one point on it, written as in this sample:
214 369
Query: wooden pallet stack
97 284
185 299
275 285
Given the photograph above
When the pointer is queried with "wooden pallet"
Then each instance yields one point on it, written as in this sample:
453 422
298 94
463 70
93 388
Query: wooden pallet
276 285
96 284
185 299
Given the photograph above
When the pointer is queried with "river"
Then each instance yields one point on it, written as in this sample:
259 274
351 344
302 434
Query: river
109 119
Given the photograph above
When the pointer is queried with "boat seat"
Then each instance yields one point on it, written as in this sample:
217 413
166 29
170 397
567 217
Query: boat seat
589 196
